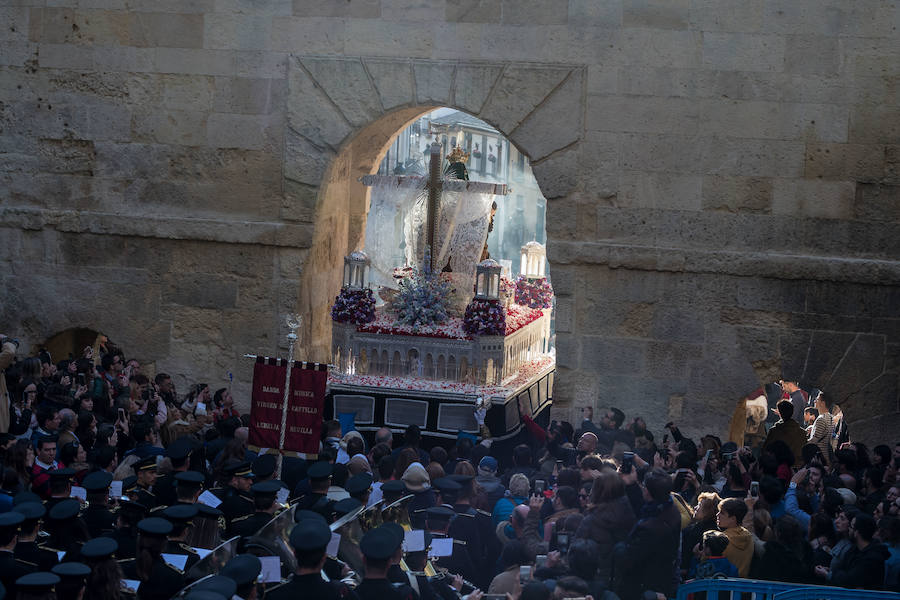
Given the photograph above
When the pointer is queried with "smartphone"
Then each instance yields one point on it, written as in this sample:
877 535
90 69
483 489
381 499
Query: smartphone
708 453
665 439
540 561
121 414
81 379
562 542
754 489
539 486
627 462
524 574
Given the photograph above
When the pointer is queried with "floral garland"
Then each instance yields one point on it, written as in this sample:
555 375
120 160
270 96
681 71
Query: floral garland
485 317
423 299
355 306
534 293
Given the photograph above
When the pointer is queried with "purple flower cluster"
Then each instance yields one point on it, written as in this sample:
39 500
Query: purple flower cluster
485 317
354 306
534 293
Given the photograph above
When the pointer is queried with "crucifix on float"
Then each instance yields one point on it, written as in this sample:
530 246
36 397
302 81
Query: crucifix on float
456 180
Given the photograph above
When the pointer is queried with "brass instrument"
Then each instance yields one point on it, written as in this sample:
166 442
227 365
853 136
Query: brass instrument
274 539
215 560
398 512
351 530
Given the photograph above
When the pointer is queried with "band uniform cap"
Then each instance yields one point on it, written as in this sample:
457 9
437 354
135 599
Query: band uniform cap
310 534
129 484
445 484
61 474
394 486
439 514
380 543
145 464
72 570
179 449
263 466
31 511
132 506
180 513
217 584
208 512
238 468
190 477
304 515
97 481
319 470
23 497
10 520
155 526
346 506
263 488
100 547
243 569
33 583
64 510
396 529
359 484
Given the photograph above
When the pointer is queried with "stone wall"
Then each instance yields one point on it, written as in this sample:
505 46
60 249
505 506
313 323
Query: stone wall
722 179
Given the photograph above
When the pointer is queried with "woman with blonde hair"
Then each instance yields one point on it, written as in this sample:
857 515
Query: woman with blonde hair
704 520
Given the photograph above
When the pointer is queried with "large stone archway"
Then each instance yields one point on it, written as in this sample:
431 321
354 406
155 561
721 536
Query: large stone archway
344 112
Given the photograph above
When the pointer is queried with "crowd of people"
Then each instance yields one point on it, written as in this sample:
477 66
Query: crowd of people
114 484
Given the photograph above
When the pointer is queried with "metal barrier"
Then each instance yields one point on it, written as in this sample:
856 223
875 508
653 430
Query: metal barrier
733 588
831 593
758 589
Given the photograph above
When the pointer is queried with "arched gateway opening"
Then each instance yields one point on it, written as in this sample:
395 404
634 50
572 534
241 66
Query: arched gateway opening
343 116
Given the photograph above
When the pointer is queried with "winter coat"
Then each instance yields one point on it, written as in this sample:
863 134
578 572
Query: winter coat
647 560
791 433
740 548
780 563
863 569
607 524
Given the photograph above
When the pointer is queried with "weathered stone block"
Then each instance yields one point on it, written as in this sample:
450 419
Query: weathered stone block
433 82
518 92
535 12
169 127
394 81
457 40
643 114
661 48
202 290
223 31
248 96
863 363
126 59
260 64
357 9
194 62
428 11
613 356
167 30
182 92
730 15
812 54
275 8
65 56
813 198
821 122
311 114
877 202
874 124
473 84
743 51
538 135
737 194
472 11
254 132
347 85
656 14
749 157
381 38
555 174
826 350
844 161
308 35
639 189
588 13
303 162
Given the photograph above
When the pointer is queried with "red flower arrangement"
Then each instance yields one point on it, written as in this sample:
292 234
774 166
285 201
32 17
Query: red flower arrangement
534 293
485 317
354 306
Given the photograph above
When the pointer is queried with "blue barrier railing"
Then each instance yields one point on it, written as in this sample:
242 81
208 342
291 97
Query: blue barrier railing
758 589
830 593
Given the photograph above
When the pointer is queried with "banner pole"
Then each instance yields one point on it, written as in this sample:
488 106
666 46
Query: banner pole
293 322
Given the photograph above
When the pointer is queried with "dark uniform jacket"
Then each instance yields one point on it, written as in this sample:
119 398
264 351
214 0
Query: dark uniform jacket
175 547
164 490
30 552
382 589
10 570
165 580
127 540
234 504
458 563
148 498
249 524
99 520
308 586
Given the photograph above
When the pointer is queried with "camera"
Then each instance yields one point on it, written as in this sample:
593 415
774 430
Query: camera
539 486
729 455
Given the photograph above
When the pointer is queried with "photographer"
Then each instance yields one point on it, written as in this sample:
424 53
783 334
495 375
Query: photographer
8 348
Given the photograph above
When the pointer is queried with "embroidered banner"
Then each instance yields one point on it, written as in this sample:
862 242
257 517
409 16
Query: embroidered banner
307 402
267 400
